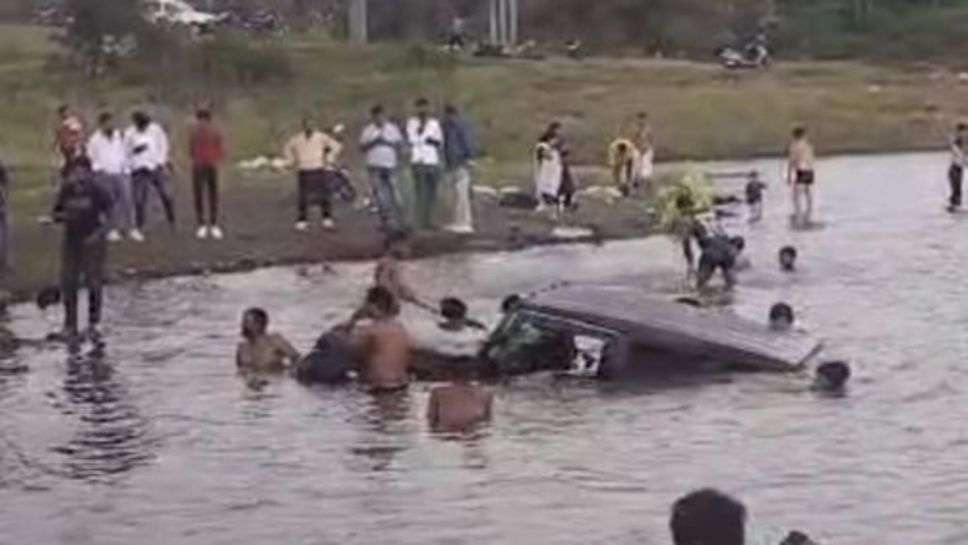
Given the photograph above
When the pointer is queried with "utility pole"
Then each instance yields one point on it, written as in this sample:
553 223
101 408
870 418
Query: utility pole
504 22
358 21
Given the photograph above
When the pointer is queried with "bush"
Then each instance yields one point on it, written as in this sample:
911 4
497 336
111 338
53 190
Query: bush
233 60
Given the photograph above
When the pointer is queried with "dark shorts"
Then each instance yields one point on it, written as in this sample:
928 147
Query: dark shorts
804 177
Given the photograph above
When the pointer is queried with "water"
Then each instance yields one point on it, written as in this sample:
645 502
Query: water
162 443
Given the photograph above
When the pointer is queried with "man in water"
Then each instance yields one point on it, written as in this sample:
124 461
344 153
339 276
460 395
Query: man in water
389 274
788 259
383 344
754 196
832 377
84 209
261 351
459 405
708 517
956 174
800 174
781 317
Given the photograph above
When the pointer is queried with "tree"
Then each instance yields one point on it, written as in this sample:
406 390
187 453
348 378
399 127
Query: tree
100 31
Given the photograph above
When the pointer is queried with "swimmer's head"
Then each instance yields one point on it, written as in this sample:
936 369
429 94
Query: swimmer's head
799 132
961 127
453 309
255 322
511 303
781 317
383 301
788 258
739 243
832 376
708 517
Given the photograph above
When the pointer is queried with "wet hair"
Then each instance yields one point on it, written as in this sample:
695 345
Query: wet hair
787 254
376 110
836 373
510 303
799 132
104 117
383 300
203 114
260 316
452 308
738 242
781 311
708 517
549 132
422 102
140 119
962 126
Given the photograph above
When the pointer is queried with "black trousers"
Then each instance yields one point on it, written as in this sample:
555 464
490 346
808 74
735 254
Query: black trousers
82 264
955 176
142 180
314 190
205 191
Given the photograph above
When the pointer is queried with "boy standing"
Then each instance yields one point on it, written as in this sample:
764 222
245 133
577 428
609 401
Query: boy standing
207 151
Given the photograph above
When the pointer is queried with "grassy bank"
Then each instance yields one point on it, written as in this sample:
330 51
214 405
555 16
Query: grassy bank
699 111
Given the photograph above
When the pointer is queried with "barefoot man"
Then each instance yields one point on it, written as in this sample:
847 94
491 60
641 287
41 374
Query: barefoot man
383 343
261 351
459 405
800 174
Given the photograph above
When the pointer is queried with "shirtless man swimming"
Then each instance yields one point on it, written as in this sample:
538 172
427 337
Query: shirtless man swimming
459 405
389 275
383 344
261 351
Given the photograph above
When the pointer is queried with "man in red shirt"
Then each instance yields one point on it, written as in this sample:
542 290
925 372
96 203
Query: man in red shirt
206 150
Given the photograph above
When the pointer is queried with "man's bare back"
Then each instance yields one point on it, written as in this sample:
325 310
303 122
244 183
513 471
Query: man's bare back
265 354
386 354
459 407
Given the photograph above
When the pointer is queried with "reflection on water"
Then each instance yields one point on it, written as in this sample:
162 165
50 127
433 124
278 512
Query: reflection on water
162 443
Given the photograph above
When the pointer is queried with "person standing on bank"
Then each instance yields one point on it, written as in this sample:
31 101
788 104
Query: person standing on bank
458 155
800 174
148 152
381 141
109 159
84 208
426 139
959 157
306 151
207 150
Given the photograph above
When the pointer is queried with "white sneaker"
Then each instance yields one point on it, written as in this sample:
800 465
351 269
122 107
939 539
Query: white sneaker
460 229
136 235
329 224
216 232
202 232
114 236
302 226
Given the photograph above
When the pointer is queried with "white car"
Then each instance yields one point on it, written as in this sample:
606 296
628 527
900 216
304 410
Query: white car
179 12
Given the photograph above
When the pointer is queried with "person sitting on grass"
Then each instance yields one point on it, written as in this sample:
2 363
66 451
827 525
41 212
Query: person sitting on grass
460 405
261 351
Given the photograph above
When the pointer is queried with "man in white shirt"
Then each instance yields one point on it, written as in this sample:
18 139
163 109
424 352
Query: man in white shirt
426 139
148 148
381 141
310 152
109 159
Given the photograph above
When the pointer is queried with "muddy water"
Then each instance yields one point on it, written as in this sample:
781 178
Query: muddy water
161 442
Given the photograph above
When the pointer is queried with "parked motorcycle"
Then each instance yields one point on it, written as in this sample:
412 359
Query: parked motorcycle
752 56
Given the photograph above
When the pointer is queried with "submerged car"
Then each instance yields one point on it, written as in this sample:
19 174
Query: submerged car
613 332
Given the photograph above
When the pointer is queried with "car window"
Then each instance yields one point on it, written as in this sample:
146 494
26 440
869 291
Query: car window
531 341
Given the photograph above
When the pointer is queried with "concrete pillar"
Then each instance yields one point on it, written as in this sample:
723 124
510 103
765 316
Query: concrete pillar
358 21
513 15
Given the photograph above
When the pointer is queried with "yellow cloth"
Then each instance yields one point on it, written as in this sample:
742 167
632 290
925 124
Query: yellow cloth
309 152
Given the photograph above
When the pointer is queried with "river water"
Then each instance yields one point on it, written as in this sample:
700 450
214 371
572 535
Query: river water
162 443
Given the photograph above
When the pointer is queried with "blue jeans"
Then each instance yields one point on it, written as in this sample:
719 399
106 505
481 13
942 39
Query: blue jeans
383 184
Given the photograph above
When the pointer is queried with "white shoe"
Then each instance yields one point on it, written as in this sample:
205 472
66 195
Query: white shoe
329 224
136 235
202 232
460 229
302 226
114 236
216 232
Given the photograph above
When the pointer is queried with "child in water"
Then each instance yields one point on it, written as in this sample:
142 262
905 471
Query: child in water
754 196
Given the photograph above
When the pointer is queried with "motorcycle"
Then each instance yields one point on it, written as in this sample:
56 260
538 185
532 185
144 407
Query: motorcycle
753 56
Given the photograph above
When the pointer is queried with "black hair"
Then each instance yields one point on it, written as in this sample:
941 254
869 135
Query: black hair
799 131
203 114
781 311
376 110
140 119
452 308
421 102
787 253
707 517
550 131
104 117
382 299
961 126
510 303
738 242
622 146
837 373
260 316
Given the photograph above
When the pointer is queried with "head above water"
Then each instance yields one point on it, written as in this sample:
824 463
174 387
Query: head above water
832 376
255 322
788 258
511 303
453 309
383 301
799 132
781 317
738 242
708 517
